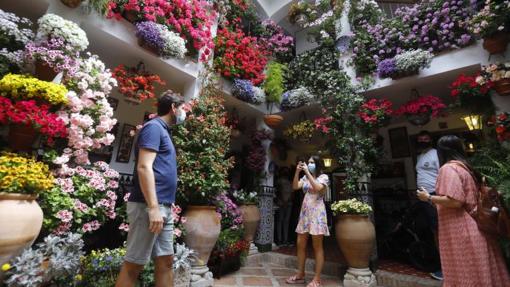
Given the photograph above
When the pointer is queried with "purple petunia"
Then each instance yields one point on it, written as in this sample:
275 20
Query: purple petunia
243 90
386 68
150 33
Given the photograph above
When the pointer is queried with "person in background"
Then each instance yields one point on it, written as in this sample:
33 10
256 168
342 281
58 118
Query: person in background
149 205
427 169
468 257
284 202
312 219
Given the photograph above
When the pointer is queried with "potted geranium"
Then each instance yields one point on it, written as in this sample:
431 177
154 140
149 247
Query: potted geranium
201 143
499 75
419 111
376 112
469 94
491 23
136 83
21 181
503 127
355 232
248 203
301 131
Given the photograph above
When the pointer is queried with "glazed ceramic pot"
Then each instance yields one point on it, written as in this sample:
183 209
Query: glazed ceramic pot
21 219
202 231
273 121
355 235
251 220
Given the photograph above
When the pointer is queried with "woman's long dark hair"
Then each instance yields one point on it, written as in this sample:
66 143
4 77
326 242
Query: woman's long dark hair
451 147
318 164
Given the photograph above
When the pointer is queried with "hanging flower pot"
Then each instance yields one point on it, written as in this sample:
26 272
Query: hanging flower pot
502 87
71 3
419 119
21 137
44 72
301 19
273 121
496 44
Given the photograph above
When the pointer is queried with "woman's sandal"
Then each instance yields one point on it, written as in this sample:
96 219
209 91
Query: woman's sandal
314 283
295 280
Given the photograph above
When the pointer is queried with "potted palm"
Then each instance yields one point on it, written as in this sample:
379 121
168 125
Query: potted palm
355 235
21 217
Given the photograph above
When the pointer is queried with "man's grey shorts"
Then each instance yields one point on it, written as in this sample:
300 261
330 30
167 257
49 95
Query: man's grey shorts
143 244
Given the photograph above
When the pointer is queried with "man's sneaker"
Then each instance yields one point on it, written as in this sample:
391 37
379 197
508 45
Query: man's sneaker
438 275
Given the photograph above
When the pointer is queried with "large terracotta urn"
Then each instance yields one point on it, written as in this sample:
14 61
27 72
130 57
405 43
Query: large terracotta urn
202 231
251 219
20 222
355 234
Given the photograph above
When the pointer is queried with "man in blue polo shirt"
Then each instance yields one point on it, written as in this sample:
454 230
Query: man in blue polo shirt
149 205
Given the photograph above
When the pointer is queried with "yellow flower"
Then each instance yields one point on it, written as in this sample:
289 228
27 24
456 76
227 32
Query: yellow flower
78 277
6 267
23 87
23 175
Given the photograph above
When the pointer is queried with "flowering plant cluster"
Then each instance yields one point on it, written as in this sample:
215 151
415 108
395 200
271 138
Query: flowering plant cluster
322 124
375 112
101 267
244 197
239 56
23 175
422 105
493 18
53 53
351 206
256 159
274 83
191 19
296 98
302 130
503 126
405 63
22 87
245 91
167 43
84 198
468 93
54 26
31 114
136 82
15 31
89 116
276 41
431 25
229 10
494 73
229 212
201 143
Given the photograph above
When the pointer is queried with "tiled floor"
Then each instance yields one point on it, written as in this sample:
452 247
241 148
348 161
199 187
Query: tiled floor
265 274
397 267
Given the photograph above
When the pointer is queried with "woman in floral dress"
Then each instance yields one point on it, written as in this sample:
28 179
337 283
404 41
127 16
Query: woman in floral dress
469 258
312 219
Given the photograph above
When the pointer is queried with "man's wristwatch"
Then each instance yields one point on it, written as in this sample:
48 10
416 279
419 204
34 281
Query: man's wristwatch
430 198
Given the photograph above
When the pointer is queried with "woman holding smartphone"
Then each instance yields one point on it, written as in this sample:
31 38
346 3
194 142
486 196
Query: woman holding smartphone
312 219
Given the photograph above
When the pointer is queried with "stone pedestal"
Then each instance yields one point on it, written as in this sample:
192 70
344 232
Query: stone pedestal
359 278
253 249
201 276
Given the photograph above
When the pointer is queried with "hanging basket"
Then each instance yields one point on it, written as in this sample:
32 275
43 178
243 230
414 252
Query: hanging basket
21 137
273 121
419 119
496 44
502 87
44 72
71 3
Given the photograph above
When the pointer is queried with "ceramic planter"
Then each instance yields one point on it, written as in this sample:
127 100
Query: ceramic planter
202 231
251 220
496 44
273 121
21 219
21 137
502 87
355 235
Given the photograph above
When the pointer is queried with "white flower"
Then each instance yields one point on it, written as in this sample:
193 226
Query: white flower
175 46
413 60
258 96
51 26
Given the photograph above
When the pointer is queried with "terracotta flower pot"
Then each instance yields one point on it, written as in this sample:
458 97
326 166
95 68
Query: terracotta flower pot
273 121
71 3
202 230
496 44
251 220
355 235
20 222
21 137
44 72
502 87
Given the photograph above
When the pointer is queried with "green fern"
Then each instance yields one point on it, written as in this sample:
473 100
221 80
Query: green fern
494 164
